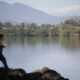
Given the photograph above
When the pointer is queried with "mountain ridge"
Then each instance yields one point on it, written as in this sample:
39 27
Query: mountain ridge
18 12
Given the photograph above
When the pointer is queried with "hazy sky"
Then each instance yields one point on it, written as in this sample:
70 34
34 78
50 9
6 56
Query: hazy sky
51 6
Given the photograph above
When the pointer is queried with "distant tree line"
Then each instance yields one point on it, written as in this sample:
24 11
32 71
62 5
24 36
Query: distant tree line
68 28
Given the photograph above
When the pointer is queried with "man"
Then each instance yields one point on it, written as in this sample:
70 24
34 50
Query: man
2 58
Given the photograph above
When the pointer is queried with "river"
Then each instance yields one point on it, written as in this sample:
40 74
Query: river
58 53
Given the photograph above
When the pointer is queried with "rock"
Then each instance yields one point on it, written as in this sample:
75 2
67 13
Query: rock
16 74
3 77
20 74
52 75
34 76
48 74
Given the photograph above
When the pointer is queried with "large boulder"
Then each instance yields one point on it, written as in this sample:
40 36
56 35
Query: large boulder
20 74
3 74
48 74
16 74
3 77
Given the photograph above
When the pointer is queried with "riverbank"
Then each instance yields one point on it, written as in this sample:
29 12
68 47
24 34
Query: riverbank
68 28
20 74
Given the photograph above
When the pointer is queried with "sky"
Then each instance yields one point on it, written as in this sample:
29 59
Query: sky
53 7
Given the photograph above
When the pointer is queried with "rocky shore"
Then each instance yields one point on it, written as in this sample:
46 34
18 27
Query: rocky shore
20 74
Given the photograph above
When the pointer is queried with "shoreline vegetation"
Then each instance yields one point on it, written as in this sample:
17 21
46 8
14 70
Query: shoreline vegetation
69 28
20 74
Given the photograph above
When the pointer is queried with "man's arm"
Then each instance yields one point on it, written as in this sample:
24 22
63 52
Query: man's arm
2 46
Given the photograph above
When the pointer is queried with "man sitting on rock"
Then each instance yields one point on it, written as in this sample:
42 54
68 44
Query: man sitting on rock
2 58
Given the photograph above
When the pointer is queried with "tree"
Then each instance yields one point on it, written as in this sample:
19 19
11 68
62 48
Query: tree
1 27
22 28
32 30
8 24
55 31
72 22
45 29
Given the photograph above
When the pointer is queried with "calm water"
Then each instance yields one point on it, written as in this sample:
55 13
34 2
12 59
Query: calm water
31 53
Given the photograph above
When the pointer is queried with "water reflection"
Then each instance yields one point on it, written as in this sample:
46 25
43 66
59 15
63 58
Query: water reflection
72 44
30 53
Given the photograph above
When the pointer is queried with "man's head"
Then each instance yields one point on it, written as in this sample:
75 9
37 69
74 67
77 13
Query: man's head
1 36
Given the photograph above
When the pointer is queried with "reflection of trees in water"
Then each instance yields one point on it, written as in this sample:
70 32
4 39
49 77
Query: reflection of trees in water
70 43
22 40
42 40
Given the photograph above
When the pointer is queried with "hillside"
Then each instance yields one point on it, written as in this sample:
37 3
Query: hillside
17 13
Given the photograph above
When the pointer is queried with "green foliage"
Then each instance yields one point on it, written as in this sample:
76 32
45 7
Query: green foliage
68 28
55 31
32 31
72 22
